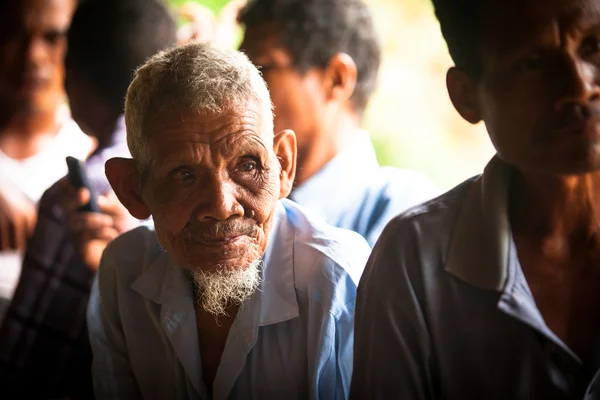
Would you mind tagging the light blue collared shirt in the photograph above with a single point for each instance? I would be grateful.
(444, 310)
(291, 340)
(353, 192)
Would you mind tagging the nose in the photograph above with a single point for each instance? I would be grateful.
(581, 83)
(36, 51)
(219, 201)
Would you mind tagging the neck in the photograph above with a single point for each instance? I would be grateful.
(25, 134)
(560, 213)
(325, 146)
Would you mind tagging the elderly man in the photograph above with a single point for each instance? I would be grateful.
(233, 293)
(493, 290)
(320, 59)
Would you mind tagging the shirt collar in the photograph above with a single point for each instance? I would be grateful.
(164, 282)
(339, 181)
(480, 243)
(278, 300)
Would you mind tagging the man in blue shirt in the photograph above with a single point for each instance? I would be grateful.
(492, 291)
(233, 293)
(320, 60)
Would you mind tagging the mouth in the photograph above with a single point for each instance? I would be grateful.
(32, 83)
(588, 128)
(220, 242)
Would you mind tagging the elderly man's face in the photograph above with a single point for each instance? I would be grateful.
(213, 186)
(539, 94)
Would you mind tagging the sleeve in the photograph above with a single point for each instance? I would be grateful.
(335, 356)
(392, 350)
(344, 341)
(111, 369)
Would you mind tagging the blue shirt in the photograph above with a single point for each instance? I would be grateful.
(291, 340)
(353, 192)
(444, 310)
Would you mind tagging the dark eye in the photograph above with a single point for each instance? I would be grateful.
(53, 37)
(248, 166)
(590, 47)
(186, 175)
(182, 175)
(532, 62)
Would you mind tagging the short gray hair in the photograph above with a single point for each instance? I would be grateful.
(195, 76)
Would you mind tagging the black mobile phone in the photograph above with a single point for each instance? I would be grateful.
(79, 179)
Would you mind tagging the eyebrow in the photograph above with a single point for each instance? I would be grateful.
(244, 144)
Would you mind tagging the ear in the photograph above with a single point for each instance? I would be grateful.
(284, 145)
(462, 89)
(340, 77)
(125, 181)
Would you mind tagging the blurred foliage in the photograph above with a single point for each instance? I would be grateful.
(214, 5)
(410, 118)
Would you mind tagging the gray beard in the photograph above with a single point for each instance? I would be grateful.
(216, 290)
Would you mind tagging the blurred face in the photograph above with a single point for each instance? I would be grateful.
(297, 97)
(32, 48)
(539, 95)
(213, 186)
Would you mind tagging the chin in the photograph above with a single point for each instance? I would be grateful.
(566, 159)
(199, 260)
(577, 161)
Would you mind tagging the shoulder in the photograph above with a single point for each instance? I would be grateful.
(49, 203)
(416, 241)
(328, 261)
(132, 252)
(438, 208)
(402, 187)
(387, 193)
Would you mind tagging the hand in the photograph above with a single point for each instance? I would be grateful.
(93, 231)
(18, 216)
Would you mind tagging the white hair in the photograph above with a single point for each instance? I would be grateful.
(218, 289)
(195, 76)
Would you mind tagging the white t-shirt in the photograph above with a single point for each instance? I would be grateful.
(34, 175)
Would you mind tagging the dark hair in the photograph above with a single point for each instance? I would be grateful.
(460, 25)
(313, 31)
(109, 39)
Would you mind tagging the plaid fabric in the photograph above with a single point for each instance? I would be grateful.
(44, 352)
(44, 347)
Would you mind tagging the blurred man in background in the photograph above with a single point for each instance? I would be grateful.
(36, 131)
(44, 349)
(320, 60)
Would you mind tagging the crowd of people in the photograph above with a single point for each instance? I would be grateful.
(244, 242)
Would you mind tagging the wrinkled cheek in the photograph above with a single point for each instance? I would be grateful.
(170, 218)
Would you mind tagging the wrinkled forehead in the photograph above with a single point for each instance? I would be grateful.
(508, 25)
(228, 129)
